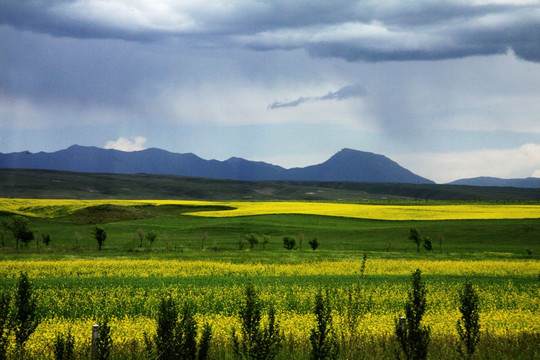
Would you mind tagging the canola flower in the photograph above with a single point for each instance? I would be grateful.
(50, 208)
(194, 268)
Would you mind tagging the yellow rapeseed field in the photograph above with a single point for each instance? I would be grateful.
(53, 208)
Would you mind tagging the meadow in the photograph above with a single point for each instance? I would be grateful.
(201, 256)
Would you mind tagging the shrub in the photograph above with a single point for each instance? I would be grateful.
(289, 243)
(314, 244)
(412, 335)
(468, 326)
(323, 343)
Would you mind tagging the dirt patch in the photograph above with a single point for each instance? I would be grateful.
(266, 191)
(103, 214)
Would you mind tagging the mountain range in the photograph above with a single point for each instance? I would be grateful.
(346, 165)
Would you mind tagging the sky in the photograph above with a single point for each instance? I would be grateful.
(448, 89)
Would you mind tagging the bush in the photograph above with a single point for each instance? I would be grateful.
(412, 335)
(468, 326)
(323, 343)
(314, 244)
(289, 243)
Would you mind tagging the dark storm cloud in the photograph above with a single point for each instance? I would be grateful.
(370, 31)
(346, 92)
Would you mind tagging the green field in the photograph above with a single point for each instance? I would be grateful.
(207, 261)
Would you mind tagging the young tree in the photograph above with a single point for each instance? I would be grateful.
(314, 244)
(414, 235)
(265, 241)
(25, 318)
(257, 342)
(18, 226)
(5, 300)
(165, 332)
(140, 235)
(104, 341)
(323, 344)
(46, 239)
(100, 235)
(412, 335)
(176, 337)
(289, 243)
(428, 244)
(252, 240)
(151, 236)
(468, 326)
(64, 347)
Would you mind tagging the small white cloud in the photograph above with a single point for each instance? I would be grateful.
(125, 144)
(536, 174)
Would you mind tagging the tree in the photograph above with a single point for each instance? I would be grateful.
(252, 240)
(104, 341)
(427, 244)
(100, 235)
(411, 334)
(414, 235)
(260, 343)
(468, 326)
(140, 234)
(323, 344)
(176, 338)
(25, 318)
(64, 347)
(5, 300)
(289, 243)
(265, 241)
(46, 239)
(18, 226)
(151, 236)
(314, 244)
(165, 332)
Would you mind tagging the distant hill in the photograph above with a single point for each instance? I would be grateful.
(17, 183)
(492, 181)
(346, 165)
